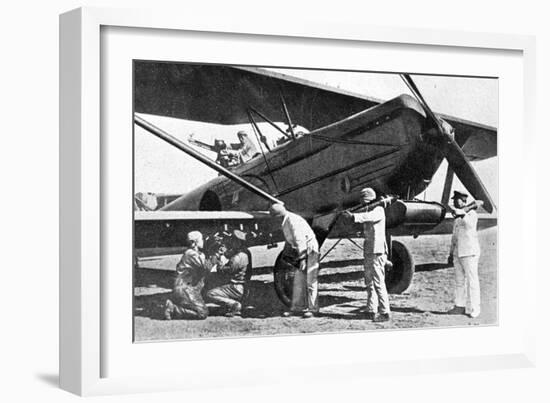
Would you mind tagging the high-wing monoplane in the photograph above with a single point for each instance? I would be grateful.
(352, 142)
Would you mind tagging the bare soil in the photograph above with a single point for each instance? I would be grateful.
(341, 295)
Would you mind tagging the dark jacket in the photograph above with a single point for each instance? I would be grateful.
(237, 267)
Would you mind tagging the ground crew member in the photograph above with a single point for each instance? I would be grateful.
(375, 255)
(187, 301)
(465, 256)
(230, 296)
(302, 244)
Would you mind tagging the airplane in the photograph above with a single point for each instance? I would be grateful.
(352, 141)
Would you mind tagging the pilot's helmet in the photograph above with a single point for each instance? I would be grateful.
(194, 237)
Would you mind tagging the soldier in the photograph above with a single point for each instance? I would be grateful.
(465, 256)
(238, 266)
(375, 255)
(191, 272)
(301, 243)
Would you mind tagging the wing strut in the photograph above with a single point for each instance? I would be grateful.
(259, 136)
(257, 112)
(287, 115)
(198, 156)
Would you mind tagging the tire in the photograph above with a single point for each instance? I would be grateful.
(399, 273)
(283, 277)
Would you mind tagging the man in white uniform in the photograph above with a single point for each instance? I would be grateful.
(465, 256)
(375, 252)
(302, 243)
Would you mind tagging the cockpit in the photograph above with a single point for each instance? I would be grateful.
(247, 148)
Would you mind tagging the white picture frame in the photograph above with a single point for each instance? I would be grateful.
(82, 300)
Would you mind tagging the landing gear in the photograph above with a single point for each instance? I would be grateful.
(283, 271)
(283, 277)
(399, 273)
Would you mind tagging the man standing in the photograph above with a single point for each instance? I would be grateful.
(465, 256)
(302, 244)
(191, 272)
(375, 255)
(238, 267)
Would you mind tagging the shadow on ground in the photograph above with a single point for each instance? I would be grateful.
(155, 288)
(431, 267)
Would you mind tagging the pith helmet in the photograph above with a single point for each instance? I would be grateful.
(368, 194)
(277, 210)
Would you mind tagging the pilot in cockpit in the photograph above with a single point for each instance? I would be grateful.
(248, 149)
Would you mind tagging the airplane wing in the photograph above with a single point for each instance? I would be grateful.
(165, 232)
(478, 141)
(223, 94)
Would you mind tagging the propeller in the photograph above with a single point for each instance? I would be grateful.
(453, 153)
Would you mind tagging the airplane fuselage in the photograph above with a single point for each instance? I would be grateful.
(384, 147)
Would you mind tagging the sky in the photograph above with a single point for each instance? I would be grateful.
(160, 168)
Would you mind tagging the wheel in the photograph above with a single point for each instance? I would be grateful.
(283, 277)
(399, 273)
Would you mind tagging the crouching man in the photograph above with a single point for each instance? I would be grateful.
(192, 269)
(230, 296)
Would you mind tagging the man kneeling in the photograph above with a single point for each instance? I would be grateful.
(230, 296)
(187, 301)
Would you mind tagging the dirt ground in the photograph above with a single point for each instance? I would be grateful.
(341, 295)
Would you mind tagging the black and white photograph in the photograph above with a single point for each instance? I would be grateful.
(261, 202)
(276, 201)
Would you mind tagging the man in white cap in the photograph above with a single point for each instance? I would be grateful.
(301, 243)
(465, 256)
(375, 252)
(191, 271)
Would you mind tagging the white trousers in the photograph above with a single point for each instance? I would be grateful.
(377, 294)
(467, 293)
(305, 285)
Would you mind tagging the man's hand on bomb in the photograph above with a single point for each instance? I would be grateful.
(346, 217)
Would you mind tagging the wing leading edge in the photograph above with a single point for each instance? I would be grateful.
(165, 232)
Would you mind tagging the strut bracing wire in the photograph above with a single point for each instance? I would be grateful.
(259, 136)
(270, 122)
(287, 115)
